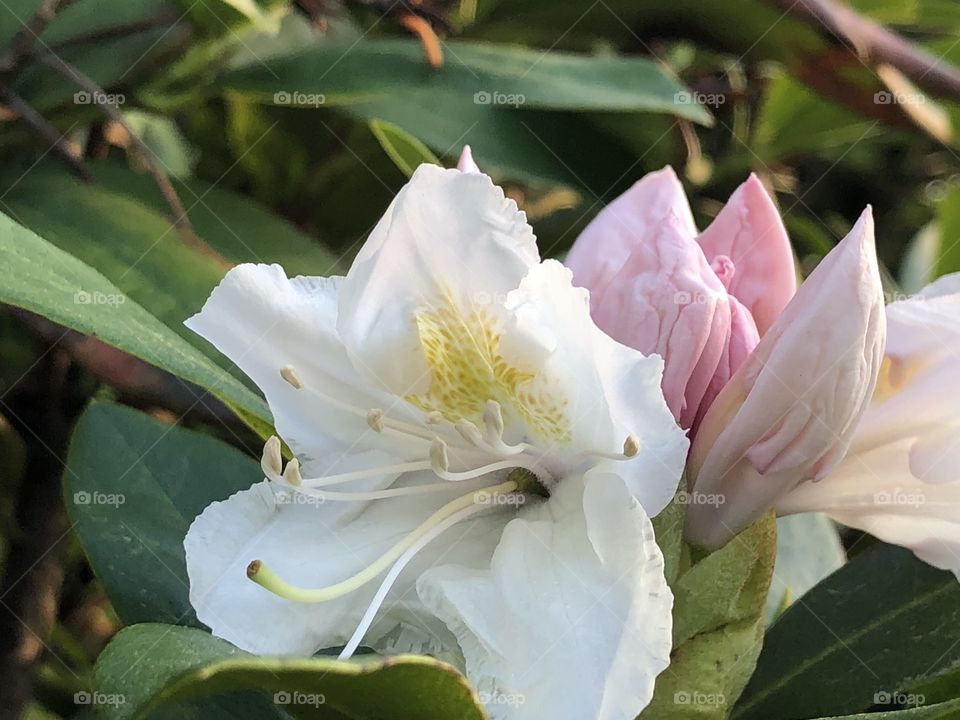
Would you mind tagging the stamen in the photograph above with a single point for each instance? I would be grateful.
(290, 375)
(272, 462)
(266, 578)
(470, 432)
(493, 419)
(292, 473)
(366, 473)
(375, 419)
(351, 647)
(439, 461)
(484, 469)
(631, 446)
(434, 417)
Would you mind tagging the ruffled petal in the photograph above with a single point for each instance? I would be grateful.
(447, 251)
(309, 545)
(595, 391)
(265, 322)
(572, 618)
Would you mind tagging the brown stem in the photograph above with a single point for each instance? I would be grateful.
(22, 42)
(877, 45)
(46, 132)
(33, 579)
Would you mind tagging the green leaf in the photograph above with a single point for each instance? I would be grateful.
(166, 143)
(808, 550)
(941, 711)
(406, 151)
(133, 485)
(108, 61)
(43, 279)
(834, 651)
(481, 74)
(236, 226)
(948, 256)
(150, 665)
(718, 621)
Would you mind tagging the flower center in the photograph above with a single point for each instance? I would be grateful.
(467, 368)
(484, 451)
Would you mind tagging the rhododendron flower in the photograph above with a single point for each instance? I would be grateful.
(701, 302)
(451, 384)
(901, 479)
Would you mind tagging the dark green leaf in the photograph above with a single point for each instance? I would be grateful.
(133, 485)
(481, 74)
(882, 623)
(45, 280)
(149, 665)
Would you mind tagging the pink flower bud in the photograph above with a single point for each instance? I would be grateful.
(789, 412)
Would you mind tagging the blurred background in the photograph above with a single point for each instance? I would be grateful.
(161, 141)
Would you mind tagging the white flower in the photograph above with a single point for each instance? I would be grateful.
(900, 480)
(450, 385)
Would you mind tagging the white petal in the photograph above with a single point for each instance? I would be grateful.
(598, 391)
(876, 491)
(265, 322)
(450, 242)
(572, 619)
(309, 545)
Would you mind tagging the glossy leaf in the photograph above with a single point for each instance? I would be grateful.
(45, 280)
(133, 485)
(881, 624)
(150, 665)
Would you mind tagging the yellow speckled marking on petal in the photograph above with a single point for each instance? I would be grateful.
(463, 352)
(894, 374)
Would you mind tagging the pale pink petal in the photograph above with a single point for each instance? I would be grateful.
(626, 223)
(789, 413)
(749, 232)
(743, 339)
(466, 163)
(665, 299)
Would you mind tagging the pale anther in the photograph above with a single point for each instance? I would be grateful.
(493, 418)
(438, 455)
(469, 432)
(434, 417)
(375, 419)
(292, 473)
(271, 462)
(290, 375)
(631, 446)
